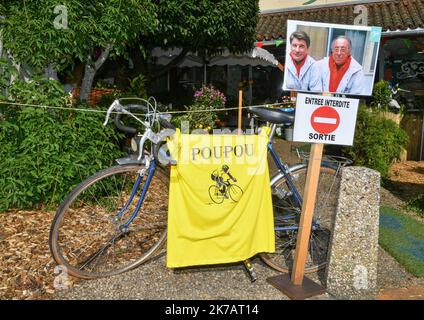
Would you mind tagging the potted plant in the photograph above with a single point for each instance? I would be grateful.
(202, 113)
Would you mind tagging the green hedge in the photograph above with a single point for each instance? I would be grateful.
(378, 141)
(45, 152)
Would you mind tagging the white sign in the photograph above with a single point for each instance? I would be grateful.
(325, 119)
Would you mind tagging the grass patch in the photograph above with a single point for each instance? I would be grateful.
(403, 237)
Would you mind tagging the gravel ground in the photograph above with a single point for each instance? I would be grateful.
(154, 281)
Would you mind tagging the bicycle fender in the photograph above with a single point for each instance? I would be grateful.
(294, 167)
(130, 160)
(298, 166)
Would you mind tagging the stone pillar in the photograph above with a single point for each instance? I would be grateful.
(352, 257)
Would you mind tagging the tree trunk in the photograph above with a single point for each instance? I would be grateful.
(51, 73)
(90, 72)
(1, 48)
(87, 82)
(12, 65)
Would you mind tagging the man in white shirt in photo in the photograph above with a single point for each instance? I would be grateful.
(298, 65)
(340, 72)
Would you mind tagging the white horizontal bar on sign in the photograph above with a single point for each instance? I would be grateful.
(325, 120)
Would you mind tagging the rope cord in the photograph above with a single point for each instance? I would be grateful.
(15, 104)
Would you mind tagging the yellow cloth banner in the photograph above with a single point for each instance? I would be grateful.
(220, 206)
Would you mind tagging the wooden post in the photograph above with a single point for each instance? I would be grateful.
(240, 111)
(297, 286)
(308, 206)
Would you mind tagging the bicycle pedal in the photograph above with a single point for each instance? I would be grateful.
(250, 270)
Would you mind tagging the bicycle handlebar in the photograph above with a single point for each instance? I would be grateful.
(126, 109)
(165, 123)
(127, 129)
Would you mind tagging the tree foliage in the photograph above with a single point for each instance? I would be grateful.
(378, 141)
(33, 38)
(98, 29)
(204, 26)
(207, 24)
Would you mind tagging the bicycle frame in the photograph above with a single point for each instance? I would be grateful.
(151, 171)
(284, 169)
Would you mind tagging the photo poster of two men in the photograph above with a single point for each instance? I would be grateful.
(331, 58)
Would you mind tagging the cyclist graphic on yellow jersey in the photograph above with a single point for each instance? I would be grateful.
(224, 188)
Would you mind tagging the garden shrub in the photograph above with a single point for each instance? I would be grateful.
(381, 95)
(46, 152)
(378, 141)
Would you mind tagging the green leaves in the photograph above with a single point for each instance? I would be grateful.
(207, 24)
(381, 95)
(46, 152)
(32, 37)
(378, 141)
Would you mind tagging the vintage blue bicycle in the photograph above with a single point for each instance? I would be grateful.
(116, 219)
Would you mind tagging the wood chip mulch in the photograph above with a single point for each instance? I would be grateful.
(408, 175)
(26, 265)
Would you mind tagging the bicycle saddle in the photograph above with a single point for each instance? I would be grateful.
(273, 115)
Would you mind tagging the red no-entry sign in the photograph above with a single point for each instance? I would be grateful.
(325, 120)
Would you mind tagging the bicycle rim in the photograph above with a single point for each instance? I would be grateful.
(86, 236)
(216, 195)
(287, 215)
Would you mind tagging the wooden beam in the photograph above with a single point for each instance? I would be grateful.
(240, 111)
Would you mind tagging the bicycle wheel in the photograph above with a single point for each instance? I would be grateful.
(215, 194)
(86, 236)
(287, 216)
(235, 192)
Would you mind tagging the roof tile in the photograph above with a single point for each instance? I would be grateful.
(390, 15)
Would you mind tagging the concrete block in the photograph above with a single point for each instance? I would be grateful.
(352, 257)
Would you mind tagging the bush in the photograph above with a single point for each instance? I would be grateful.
(378, 141)
(46, 152)
(381, 95)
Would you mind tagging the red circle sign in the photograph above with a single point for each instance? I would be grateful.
(325, 120)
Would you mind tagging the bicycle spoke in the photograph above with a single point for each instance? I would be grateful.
(100, 251)
(284, 205)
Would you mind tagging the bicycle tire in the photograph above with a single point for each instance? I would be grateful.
(87, 220)
(287, 214)
(215, 194)
(235, 192)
